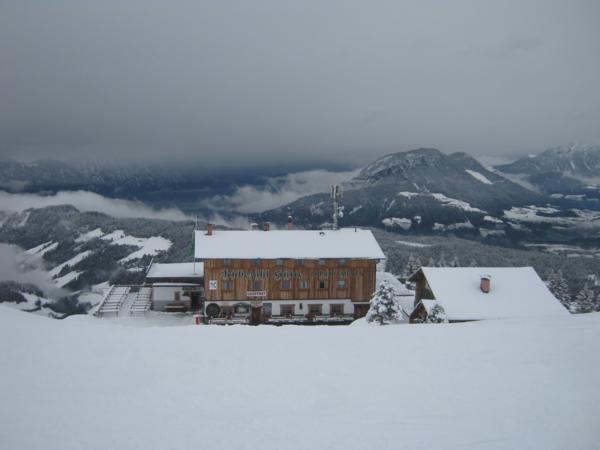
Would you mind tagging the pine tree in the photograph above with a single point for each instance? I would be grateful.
(455, 262)
(559, 287)
(437, 315)
(442, 261)
(431, 262)
(584, 300)
(473, 263)
(384, 308)
(411, 266)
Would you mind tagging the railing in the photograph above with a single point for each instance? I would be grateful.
(142, 302)
(113, 300)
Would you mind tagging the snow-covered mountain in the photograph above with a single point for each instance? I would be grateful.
(561, 171)
(422, 190)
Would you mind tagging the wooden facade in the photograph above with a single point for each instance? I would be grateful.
(289, 279)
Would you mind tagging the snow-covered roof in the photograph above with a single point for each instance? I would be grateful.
(176, 270)
(515, 292)
(296, 244)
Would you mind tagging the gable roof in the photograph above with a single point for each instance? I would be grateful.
(351, 243)
(176, 270)
(515, 292)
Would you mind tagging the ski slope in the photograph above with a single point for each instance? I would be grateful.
(83, 383)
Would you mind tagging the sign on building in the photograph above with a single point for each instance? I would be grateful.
(213, 285)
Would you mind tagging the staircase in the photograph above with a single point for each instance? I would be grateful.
(142, 301)
(113, 300)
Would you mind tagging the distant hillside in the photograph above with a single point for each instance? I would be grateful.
(561, 171)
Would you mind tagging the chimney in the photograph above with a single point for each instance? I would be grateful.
(290, 223)
(209, 229)
(486, 283)
(266, 226)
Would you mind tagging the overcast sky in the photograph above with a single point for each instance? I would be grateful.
(281, 82)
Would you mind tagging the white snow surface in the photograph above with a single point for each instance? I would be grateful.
(296, 244)
(176, 270)
(413, 244)
(67, 278)
(71, 262)
(479, 176)
(85, 383)
(448, 201)
(96, 233)
(515, 292)
(400, 222)
(41, 249)
(147, 246)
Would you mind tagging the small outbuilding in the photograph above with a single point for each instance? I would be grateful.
(176, 286)
(478, 293)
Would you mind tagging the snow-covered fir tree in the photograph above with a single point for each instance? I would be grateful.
(411, 266)
(559, 287)
(437, 315)
(455, 262)
(442, 261)
(431, 262)
(584, 300)
(384, 308)
(473, 263)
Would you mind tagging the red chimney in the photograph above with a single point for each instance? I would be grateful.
(209, 229)
(486, 283)
(266, 226)
(290, 223)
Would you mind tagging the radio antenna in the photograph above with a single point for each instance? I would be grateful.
(336, 196)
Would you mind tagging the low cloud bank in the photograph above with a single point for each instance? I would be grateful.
(278, 191)
(88, 201)
(16, 265)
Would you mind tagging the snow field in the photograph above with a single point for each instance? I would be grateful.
(86, 383)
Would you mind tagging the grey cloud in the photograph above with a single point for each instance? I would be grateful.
(88, 201)
(281, 82)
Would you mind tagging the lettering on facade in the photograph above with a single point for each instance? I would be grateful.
(247, 274)
(229, 274)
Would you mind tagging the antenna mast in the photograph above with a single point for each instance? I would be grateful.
(336, 196)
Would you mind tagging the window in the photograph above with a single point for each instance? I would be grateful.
(336, 310)
(315, 310)
(227, 285)
(299, 262)
(286, 284)
(304, 284)
(341, 284)
(279, 262)
(226, 262)
(322, 284)
(287, 310)
(177, 296)
(321, 262)
(256, 262)
(343, 262)
(256, 285)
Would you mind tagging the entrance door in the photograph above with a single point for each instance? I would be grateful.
(256, 315)
(195, 301)
(360, 311)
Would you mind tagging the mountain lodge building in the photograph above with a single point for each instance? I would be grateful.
(287, 276)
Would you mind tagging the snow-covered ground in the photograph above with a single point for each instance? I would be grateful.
(93, 384)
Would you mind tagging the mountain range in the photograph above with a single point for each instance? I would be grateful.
(562, 171)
